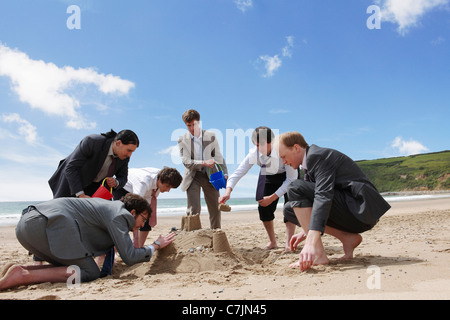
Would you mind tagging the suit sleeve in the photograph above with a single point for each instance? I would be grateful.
(122, 174)
(324, 175)
(119, 232)
(82, 152)
(218, 157)
(185, 151)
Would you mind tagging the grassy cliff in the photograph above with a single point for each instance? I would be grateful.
(422, 172)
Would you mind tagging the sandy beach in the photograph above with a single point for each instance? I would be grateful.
(406, 256)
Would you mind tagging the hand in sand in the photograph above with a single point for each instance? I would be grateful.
(312, 253)
(166, 240)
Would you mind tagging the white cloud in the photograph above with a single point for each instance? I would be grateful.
(407, 148)
(174, 153)
(273, 63)
(244, 5)
(51, 89)
(287, 50)
(26, 129)
(407, 13)
(278, 111)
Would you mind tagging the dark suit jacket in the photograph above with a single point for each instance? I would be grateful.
(78, 228)
(80, 168)
(332, 170)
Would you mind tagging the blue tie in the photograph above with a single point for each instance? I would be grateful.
(261, 183)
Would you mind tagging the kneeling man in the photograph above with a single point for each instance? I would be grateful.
(71, 231)
(335, 197)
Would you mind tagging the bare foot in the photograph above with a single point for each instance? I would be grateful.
(11, 277)
(270, 246)
(320, 260)
(349, 245)
(6, 268)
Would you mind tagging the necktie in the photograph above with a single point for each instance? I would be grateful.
(307, 177)
(112, 167)
(261, 183)
(152, 219)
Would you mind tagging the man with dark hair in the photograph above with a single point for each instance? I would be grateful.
(97, 156)
(272, 183)
(200, 152)
(148, 183)
(69, 232)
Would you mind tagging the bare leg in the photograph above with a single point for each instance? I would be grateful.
(304, 215)
(349, 240)
(268, 225)
(142, 238)
(18, 275)
(290, 230)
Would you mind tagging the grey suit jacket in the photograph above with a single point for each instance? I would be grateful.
(332, 170)
(211, 150)
(80, 168)
(79, 228)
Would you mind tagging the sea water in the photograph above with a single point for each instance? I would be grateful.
(10, 212)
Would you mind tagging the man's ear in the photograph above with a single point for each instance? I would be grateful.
(133, 212)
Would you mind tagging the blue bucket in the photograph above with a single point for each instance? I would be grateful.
(217, 179)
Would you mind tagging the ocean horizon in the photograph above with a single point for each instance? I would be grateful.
(10, 211)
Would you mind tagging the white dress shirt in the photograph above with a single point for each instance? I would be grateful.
(274, 165)
(198, 146)
(142, 181)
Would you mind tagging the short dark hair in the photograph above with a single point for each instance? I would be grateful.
(126, 136)
(262, 134)
(191, 115)
(136, 202)
(170, 176)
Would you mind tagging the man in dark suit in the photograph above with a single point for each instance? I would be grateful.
(97, 156)
(335, 197)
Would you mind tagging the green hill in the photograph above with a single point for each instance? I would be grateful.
(422, 172)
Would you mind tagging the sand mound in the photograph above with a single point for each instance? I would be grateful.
(193, 251)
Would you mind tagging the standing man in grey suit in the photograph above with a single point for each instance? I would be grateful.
(335, 197)
(97, 156)
(69, 232)
(200, 152)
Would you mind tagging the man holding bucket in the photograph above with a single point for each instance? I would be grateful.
(97, 156)
(200, 152)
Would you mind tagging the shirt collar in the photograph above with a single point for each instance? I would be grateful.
(194, 137)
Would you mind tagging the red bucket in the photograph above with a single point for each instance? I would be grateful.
(102, 192)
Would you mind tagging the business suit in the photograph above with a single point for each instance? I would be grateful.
(339, 192)
(196, 176)
(71, 231)
(76, 172)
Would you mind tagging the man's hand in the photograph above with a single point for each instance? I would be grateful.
(296, 239)
(312, 253)
(166, 240)
(111, 182)
(264, 202)
(209, 163)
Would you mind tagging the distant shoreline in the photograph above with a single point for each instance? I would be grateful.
(413, 193)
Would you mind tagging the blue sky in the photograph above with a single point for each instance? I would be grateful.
(309, 66)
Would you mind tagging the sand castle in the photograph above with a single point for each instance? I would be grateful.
(219, 238)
